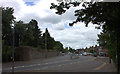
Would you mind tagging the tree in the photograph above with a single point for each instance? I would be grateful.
(29, 34)
(71, 50)
(20, 30)
(58, 46)
(7, 20)
(97, 12)
(6, 52)
(92, 50)
(107, 40)
(49, 43)
(48, 40)
(34, 32)
(65, 49)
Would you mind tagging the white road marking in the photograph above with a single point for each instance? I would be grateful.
(31, 65)
(100, 66)
(46, 63)
(44, 68)
(59, 65)
(39, 64)
(22, 66)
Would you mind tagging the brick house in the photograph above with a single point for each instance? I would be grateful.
(81, 50)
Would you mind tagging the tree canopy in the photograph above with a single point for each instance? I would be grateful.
(48, 42)
(7, 20)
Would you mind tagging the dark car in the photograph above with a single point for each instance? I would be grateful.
(101, 53)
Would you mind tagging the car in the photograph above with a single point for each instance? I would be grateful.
(69, 53)
(89, 54)
(85, 53)
(101, 53)
(80, 54)
(63, 54)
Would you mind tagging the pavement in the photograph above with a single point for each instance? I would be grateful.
(0, 68)
(106, 65)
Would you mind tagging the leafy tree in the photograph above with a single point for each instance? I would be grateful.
(58, 46)
(65, 49)
(107, 40)
(7, 20)
(49, 43)
(29, 34)
(97, 12)
(34, 32)
(47, 40)
(20, 29)
(71, 50)
(6, 52)
(92, 50)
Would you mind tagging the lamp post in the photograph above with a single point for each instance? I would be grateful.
(13, 49)
(100, 51)
(46, 43)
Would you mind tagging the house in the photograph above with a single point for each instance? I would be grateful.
(81, 51)
(102, 51)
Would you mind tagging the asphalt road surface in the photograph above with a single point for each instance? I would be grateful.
(63, 64)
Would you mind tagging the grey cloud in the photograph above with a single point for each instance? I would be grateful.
(27, 17)
(53, 19)
(59, 28)
(10, 3)
(69, 15)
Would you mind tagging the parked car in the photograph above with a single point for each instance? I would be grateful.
(85, 53)
(101, 53)
(90, 54)
(80, 54)
(69, 53)
(63, 54)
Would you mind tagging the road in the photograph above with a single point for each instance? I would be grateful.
(63, 64)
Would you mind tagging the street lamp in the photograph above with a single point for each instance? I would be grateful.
(13, 31)
(100, 51)
(46, 43)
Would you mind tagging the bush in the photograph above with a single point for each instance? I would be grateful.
(39, 48)
(77, 52)
(6, 52)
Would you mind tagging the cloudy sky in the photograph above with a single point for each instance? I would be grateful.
(76, 37)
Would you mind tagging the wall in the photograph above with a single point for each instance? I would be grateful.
(24, 53)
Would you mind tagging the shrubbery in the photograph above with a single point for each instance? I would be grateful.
(6, 52)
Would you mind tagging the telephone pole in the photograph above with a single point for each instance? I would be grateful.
(93, 46)
(13, 50)
(46, 44)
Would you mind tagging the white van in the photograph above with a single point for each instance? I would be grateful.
(85, 53)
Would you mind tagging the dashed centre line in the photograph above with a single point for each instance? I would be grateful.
(37, 64)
